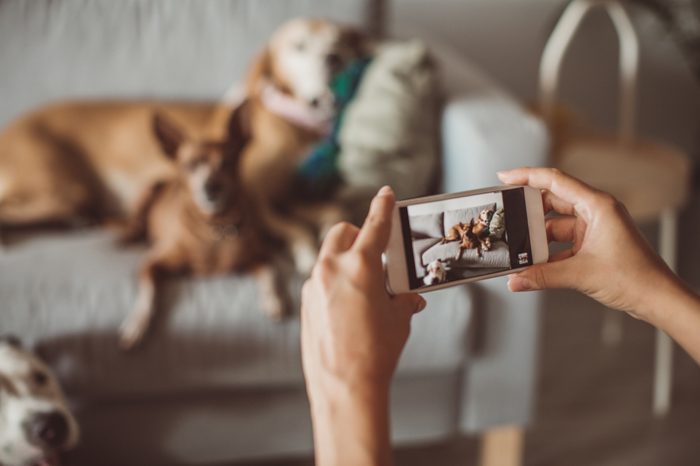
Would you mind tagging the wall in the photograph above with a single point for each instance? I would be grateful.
(506, 38)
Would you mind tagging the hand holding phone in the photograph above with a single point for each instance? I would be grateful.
(451, 239)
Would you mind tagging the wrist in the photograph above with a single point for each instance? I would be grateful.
(351, 423)
(664, 299)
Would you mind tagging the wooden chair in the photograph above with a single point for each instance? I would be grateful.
(652, 179)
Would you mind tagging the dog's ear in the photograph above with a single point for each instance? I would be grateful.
(11, 340)
(260, 72)
(239, 124)
(168, 133)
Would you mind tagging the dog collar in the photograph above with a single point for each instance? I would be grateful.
(296, 112)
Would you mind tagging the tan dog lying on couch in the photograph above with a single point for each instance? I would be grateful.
(74, 160)
(292, 109)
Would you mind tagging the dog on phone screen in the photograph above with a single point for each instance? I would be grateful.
(35, 422)
(292, 109)
(437, 273)
(472, 235)
(481, 230)
(203, 221)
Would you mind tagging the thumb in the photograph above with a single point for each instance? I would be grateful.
(410, 303)
(543, 276)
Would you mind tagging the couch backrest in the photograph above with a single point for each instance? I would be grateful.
(186, 49)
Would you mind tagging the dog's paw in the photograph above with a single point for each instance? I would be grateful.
(305, 259)
(131, 333)
(274, 307)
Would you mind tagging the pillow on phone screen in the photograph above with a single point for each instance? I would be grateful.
(453, 217)
(426, 226)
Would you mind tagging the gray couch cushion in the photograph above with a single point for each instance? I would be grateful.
(427, 226)
(419, 248)
(498, 256)
(453, 217)
(68, 293)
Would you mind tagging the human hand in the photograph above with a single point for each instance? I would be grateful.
(352, 335)
(352, 330)
(608, 259)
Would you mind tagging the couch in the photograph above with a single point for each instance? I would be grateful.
(428, 230)
(218, 382)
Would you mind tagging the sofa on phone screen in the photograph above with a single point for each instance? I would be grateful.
(428, 230)
(217, 381)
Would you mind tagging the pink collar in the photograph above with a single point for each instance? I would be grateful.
(296, 112)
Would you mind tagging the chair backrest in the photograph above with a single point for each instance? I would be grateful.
(185, 49)
(559, 41)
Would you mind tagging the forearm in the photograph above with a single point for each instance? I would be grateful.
(677, 312)
(351, 426)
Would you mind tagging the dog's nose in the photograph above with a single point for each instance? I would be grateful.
(48, 429)
(213, 189)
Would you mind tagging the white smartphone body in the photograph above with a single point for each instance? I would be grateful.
(451, 239)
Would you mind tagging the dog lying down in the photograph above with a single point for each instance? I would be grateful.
(35, 423)
(203, 221)
(474, 235)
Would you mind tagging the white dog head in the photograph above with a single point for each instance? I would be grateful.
(35, 423)
(304, 55)
(437, 272)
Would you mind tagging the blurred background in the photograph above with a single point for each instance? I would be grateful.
(488, 378)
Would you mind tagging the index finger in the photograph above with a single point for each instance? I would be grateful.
(567, 188)
(374, 234)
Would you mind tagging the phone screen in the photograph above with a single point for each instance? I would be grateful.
(465, 237)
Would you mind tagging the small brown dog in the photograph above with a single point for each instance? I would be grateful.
(474, 235)
(202, 222)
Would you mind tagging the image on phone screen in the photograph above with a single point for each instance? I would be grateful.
(465, 237)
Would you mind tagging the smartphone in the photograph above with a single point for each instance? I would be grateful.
(451, 239)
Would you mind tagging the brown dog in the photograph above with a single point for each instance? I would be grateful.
(201, 221)
(88, 159)
(474, 235)
(95, 159)
(292, 107)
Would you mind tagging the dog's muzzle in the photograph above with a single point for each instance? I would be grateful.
(47, 430)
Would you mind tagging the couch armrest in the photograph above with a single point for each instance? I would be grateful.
(485, 130)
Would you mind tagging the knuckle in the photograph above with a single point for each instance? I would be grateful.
(360, 264)
(325, 266)
(540, 278)
(555, 172)
(608, 202)
(341, 227)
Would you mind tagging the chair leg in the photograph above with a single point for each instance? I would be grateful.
(502, 446)
(663, 363)
(612, 328)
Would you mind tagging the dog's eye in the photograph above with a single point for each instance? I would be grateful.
(39, 378)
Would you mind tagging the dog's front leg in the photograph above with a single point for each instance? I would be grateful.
(274, 301)
(299, 238)
(136, 324)
(322, 215)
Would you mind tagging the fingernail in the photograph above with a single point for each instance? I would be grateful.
(385, 191)
(421, 304)
(502, 173)
(519, 284)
